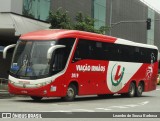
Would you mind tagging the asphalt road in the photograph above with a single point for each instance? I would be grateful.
(149, 102)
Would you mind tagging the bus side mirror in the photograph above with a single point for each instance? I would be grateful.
(52, 49)
(6, 49)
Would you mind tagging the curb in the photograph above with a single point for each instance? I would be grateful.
(5, 94)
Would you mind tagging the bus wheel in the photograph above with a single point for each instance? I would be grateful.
(139, 89)
(132, 90)
(36, 98)
(71, 93)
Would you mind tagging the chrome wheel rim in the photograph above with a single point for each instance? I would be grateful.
(70, 92)
(140, 88)
(131, 90)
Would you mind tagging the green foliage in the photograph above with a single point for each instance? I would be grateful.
(103, 29)
(61, 20)
(84, 23)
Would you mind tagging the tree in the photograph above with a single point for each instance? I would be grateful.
(61, 20)
(86, 23)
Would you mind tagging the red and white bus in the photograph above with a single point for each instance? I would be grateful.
(66, 63)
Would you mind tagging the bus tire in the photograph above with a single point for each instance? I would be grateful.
(139, 89)
(71, 93)
(132, 90)
(36, 98)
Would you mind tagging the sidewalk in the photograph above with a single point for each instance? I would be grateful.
(4, 89)
(5, 94)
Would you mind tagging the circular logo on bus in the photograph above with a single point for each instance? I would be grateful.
(120, 73)
(117, 77)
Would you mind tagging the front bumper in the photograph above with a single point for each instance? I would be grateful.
(44, 91)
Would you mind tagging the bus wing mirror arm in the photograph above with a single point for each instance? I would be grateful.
(6, 49)
(52, 49)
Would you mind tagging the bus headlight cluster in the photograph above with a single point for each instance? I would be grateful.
(11, 82)
(43, 84)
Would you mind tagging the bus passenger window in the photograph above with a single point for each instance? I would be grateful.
(82, 51)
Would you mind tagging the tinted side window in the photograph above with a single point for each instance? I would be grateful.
(82, 50)
(61, 55)
(87, 49)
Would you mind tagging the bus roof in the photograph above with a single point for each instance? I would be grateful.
(131, 43)
(53, 34)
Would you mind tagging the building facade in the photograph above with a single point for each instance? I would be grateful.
(157, 30)
(127, 19)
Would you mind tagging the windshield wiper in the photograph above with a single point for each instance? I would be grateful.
(24, 64)
(19, 69)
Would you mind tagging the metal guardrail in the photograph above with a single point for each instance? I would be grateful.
(3, 84)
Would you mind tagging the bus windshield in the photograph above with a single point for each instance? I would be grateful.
(30, 58)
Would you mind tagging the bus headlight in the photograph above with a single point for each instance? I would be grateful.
(11, 82)
(39, 85)
(43, 84)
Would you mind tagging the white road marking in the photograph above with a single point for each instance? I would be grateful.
(104, 109)
(67, 111)
(158, 89)
(118, 107)
(72, 110)
(107, 109)
(144, 103)
(132, 105)
(83, 110)
(100, 108)
(124, 106)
